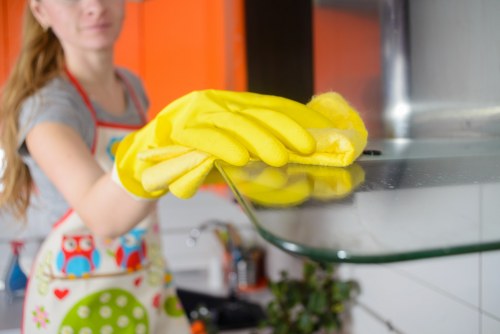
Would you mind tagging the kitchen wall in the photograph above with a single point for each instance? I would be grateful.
(454, 50)
(456, 295)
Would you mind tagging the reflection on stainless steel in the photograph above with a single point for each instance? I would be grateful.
(439, 66)
(419, 199)
(394, 29)
(472, 122)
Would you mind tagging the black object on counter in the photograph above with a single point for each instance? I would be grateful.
(227, 313)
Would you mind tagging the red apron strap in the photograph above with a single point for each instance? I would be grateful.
(138, 105)
(87, 102)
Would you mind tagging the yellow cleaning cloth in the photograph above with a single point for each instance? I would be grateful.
(342, 143)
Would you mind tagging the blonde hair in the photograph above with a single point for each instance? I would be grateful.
(40, 60)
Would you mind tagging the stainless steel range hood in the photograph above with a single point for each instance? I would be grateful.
(441, 68)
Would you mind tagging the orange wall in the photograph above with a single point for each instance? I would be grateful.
(3, 42)
(128, 49)
(175, 46)
(180, 46)
(10, 25)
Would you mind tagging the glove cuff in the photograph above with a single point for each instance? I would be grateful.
(116, 178)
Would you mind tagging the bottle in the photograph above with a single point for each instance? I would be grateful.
(15, 278)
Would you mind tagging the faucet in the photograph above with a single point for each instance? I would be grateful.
(232, 247)
(196, 232)
(232, 312)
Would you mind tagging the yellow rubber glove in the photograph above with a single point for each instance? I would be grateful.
(293, 184)
(178, 169)
(340, 143)
(235, 126)
(212, 124)
(128, 168)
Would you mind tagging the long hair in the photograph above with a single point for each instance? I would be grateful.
(40, 60)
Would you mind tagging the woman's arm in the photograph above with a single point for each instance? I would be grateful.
(105, 207)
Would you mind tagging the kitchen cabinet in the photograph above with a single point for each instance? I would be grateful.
(10, 24)
(175, 47)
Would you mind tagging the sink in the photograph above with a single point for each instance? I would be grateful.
(229, 312)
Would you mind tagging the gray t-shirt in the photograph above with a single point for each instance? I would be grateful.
(59, 101)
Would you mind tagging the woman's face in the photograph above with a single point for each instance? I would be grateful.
(81, 24)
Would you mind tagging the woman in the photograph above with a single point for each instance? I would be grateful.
(64, 109)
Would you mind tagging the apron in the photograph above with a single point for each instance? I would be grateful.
(84, 284)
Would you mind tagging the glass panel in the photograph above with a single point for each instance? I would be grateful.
(417, 199)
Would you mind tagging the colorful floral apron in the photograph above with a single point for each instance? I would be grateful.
(82, 284)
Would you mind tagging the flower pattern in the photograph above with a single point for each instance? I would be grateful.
(40, 317)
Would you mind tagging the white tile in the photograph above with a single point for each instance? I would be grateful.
(411, 307)
(175, 213)
(206, 256)
(491, 283)
(364, 321)
(457, 277)
(419, 218)
(178, 217)
(4, 260)
(490, 260)
(490, 325)
(490, 212)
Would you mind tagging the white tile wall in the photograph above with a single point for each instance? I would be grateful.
(455, 294)
(490, 268)
(490, 325)
(490, 279)
(457, 277)
(364, 321)
(413, 307)
(177, 217)
(181, 214)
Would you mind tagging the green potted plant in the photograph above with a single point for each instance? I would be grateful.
(317, 303)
